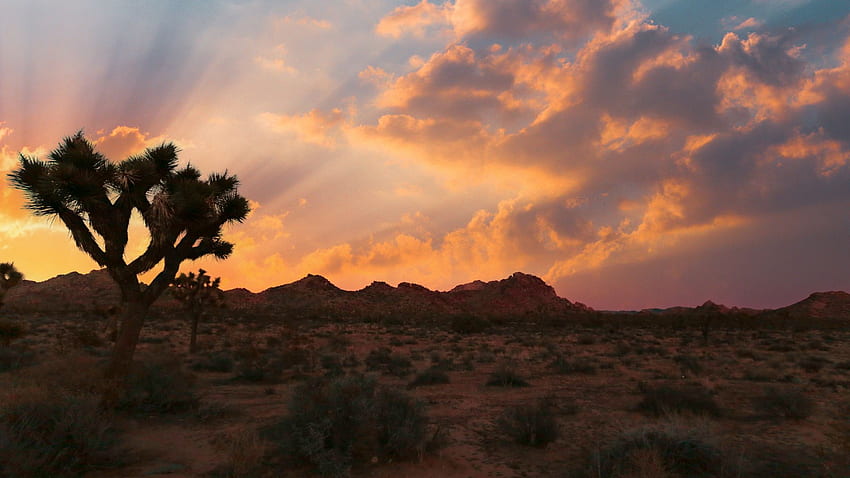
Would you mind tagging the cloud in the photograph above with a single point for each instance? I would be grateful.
(665, 140)
(303, 21)
(124, 141)
(416, 20)
(736, 24)
(315, 127)
(276, 61)
(508, 19)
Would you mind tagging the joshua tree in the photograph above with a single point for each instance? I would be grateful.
(95, 199)
(9, 277)
(196, 292)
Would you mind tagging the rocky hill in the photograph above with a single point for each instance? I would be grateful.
(519, 296)
(72, 292)
(820, 305)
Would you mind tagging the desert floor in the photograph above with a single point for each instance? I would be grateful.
(781, 396)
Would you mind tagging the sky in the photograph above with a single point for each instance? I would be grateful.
(632, 154)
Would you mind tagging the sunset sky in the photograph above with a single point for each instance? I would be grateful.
(632, 154)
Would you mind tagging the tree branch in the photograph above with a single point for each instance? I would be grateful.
(83, 237)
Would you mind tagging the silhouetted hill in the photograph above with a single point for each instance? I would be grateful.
(65, 293)
(519, 296)
(820, 305)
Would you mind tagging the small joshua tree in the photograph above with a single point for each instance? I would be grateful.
(197, 292)
(9, 277)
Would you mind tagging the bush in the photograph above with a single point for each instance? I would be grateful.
(657, 451)
(531, 425)
(430, 376)
(14, 357)
(244, 450)
(689, 363)
(10, 331)
(787, 403)
(85, 337)
(385, 360)
(667, 399)
(214, 362)
(51, 423)
(338, 423)
(566, 366)
(158, 384)
(332, 364)
(45, 433)
(469, 324)
(506, 376)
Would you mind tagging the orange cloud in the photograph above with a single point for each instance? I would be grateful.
(565, 19)
(416, 20)
(124, 141)
(302, 20)
(316, 127)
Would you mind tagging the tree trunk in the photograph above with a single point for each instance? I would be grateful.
(132, 319)
(193, 337)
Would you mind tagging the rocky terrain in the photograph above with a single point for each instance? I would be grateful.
(517, 297)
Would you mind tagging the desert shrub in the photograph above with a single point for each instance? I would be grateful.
(14, 357)
(158, 383)
(566, 366)
(430, 376)
(784, 403)
(339, 343)
(748, 353)
(243, 450)
(816, 344)
(438, 360)
(688, 363)
(837, 450)
(332, 363)
(650, 349)
(812, 364)
(214, 362)
(762, 374)
(506, 375)
(256, 365)
(383, 359)
(337, 423)
(469, 324)
(667, 399)
(10, 331)
(85, 337)
(586, 339)
(51, 423)
(657, 452)
(531, 424)
(622, 349)
(53, 433)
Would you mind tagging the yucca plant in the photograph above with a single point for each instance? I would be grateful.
(197, 293)
(95, 198)
(9, 277)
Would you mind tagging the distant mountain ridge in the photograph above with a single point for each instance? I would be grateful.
(518, 296)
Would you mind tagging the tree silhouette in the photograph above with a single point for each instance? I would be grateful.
(9, 277)
(196, 293)
(95, 198)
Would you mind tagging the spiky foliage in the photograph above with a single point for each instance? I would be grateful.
(9, 277)
(196, 293)
(95, 198)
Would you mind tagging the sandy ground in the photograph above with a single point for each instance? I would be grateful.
(591, 408)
